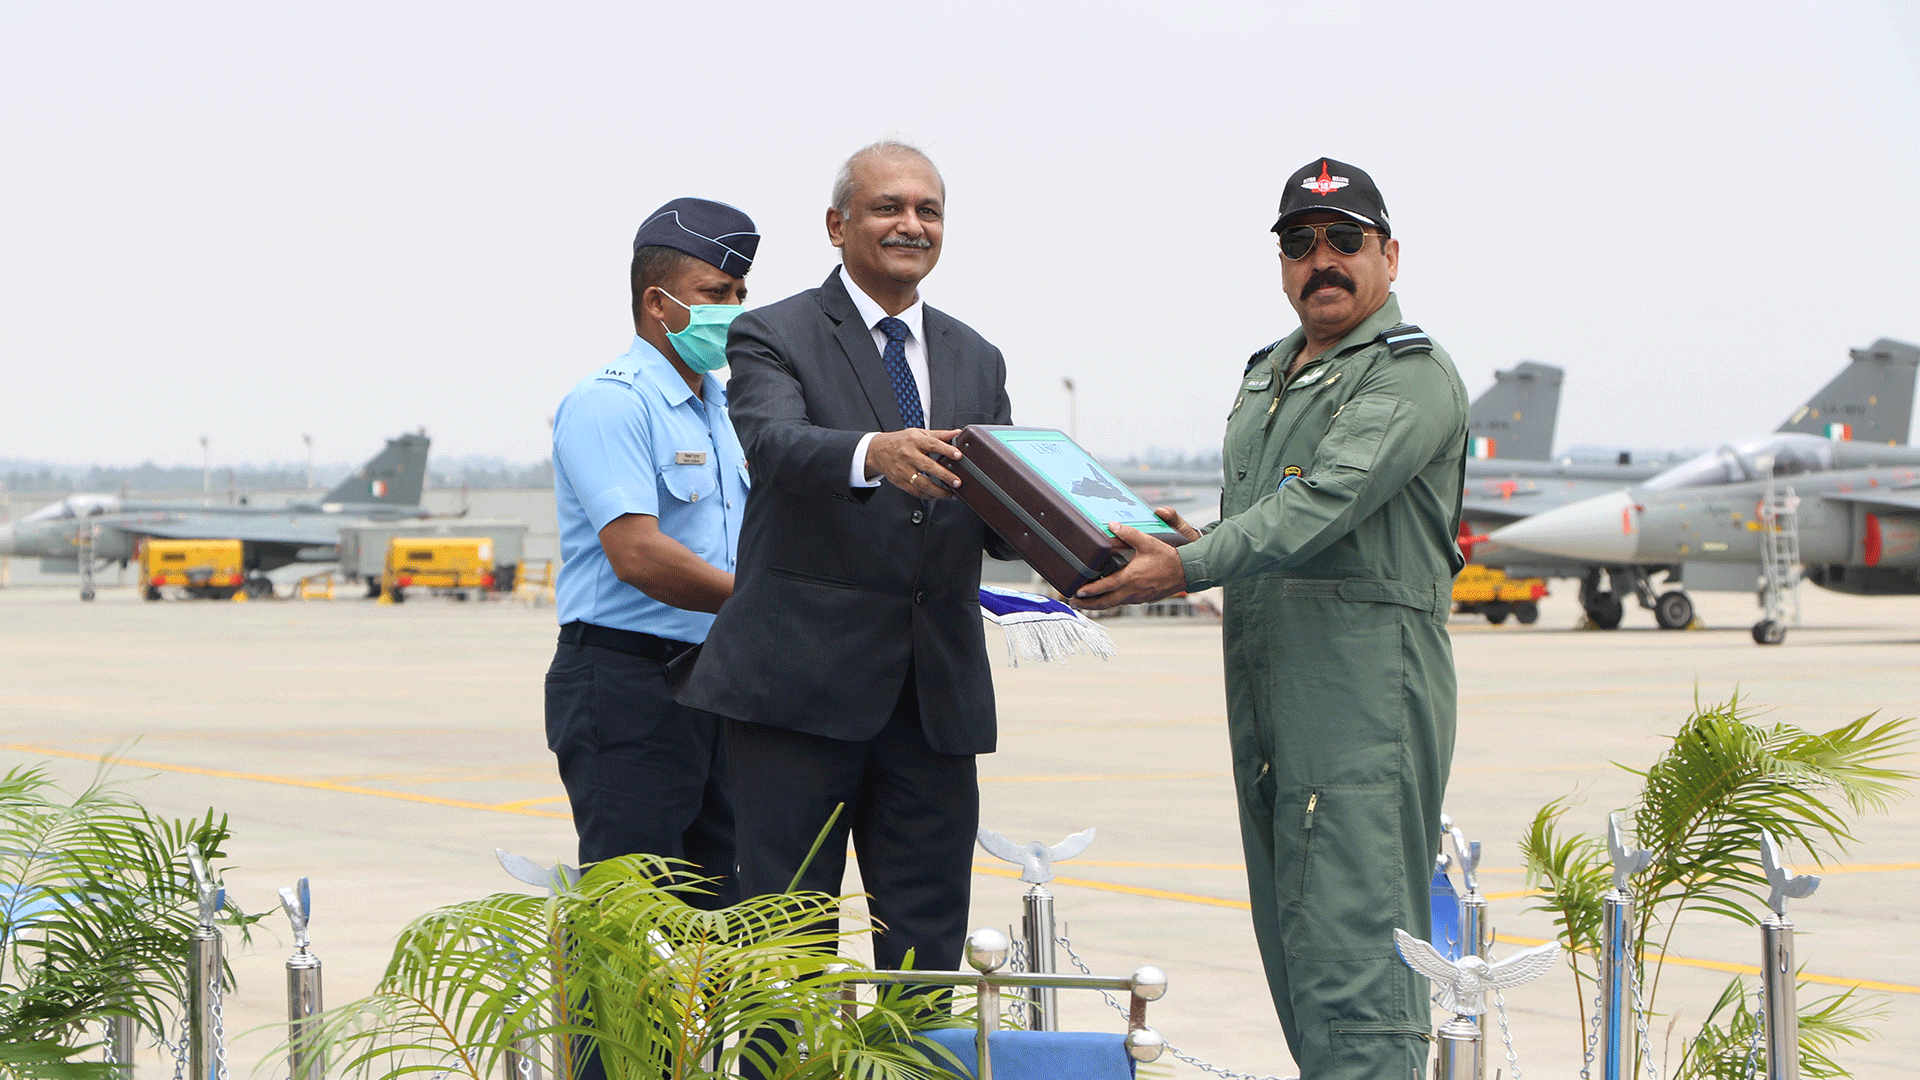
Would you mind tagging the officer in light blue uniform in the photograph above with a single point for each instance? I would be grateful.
(651, 484)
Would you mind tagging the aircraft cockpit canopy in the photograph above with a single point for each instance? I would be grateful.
(75, 506)
(1782, 454)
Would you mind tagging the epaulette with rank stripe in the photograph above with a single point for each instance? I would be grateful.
(1405, 338)
(1255, 358)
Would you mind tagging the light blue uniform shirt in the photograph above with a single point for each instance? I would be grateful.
(632, 439)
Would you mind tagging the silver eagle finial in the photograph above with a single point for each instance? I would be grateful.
(544, 877)
(1626, 862)
(297, 902)
(1464, 983)
(1784, 882)
(206, 889)
(1036, 859)
(1468, 855)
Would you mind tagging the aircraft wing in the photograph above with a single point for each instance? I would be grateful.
(1901, 500)
(1500, 511)
(253, 530)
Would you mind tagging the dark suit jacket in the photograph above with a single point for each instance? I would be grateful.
(839, 591)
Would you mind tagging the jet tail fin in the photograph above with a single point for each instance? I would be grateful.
(396, 476)
(1516, 415)
(1871, 400)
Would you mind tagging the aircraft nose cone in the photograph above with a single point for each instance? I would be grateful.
(1603, 529)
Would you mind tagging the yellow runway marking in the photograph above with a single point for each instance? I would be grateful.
(521, 804)
(1075, 778)
(1742, 969)
(288, 781)
(1130, 890)
(525, 807)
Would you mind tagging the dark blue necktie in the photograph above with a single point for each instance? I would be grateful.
(904, 388)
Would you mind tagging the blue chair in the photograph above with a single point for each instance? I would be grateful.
(1041, 1055)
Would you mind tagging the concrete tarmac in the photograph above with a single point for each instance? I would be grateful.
(386, 751)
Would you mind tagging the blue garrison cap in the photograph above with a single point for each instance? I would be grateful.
(712, 232)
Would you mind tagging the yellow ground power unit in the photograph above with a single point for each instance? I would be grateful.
(460, 566)
(1482, 590)
(204, 569)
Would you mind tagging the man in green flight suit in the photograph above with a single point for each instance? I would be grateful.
(1345, 458)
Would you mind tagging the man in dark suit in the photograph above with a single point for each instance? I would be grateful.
(850, 664)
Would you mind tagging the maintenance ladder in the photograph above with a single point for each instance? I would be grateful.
(1779, 560)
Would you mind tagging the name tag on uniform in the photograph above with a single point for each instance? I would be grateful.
(690, 457)
(1258, 382)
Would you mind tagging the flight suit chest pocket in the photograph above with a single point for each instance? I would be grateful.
(690, 483)
(1356, 431)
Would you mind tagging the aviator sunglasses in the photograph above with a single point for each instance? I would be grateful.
(1345, 237)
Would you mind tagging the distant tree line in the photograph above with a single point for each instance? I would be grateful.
(25, 477)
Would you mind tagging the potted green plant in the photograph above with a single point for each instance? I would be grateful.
(621, 962)
(96, 904)
(1701, 810)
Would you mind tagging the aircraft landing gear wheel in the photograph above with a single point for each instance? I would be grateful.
(86, 594)
(373, 588)
(152, 593)
(1673, 610)
(1605, 612)
(1496, 611)
(1526, 612)
(259, 589)
(1768, 632)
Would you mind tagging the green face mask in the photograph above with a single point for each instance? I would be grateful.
(703, 344)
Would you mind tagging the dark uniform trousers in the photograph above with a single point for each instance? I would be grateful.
(912, 814)
(644, 774)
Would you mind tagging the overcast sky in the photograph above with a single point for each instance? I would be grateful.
(254, 221)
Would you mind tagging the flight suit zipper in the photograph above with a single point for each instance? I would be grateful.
(1306, 842)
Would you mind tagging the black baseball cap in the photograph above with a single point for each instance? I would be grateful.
(1326, 184)
(712, 232)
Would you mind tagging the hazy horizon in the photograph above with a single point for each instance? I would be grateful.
(249, 223)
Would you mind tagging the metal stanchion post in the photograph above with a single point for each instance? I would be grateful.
(1038, 924)
(1036, 869)
(1617, 959)
(120, 1049)
(1782, 1018)
(1476, 936)
(204, 972)
(986, 950)
(303, 988)
(1464, 985)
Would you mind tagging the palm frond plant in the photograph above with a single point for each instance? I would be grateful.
(622, 963)
(96, 904)
(1703, 806)
(1735, 1049)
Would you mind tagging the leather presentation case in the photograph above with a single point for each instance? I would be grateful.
(1051, 501)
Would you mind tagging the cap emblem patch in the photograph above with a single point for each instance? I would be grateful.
(1323, 184)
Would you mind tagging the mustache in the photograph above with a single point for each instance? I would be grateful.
(1326, 275)
(896, 240)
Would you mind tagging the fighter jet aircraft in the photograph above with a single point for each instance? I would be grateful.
(83, 531)
(1848, 509)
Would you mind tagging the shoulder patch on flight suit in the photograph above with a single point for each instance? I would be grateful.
(1406, 338)
(612, 373)
(1258, 356)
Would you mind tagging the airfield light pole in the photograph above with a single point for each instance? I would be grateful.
(1073, 410)
(308, 439)
(206, 470)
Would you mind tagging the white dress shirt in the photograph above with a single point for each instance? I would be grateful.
(916, 350)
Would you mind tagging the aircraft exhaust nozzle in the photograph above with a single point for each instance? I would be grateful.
(1604, 529)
